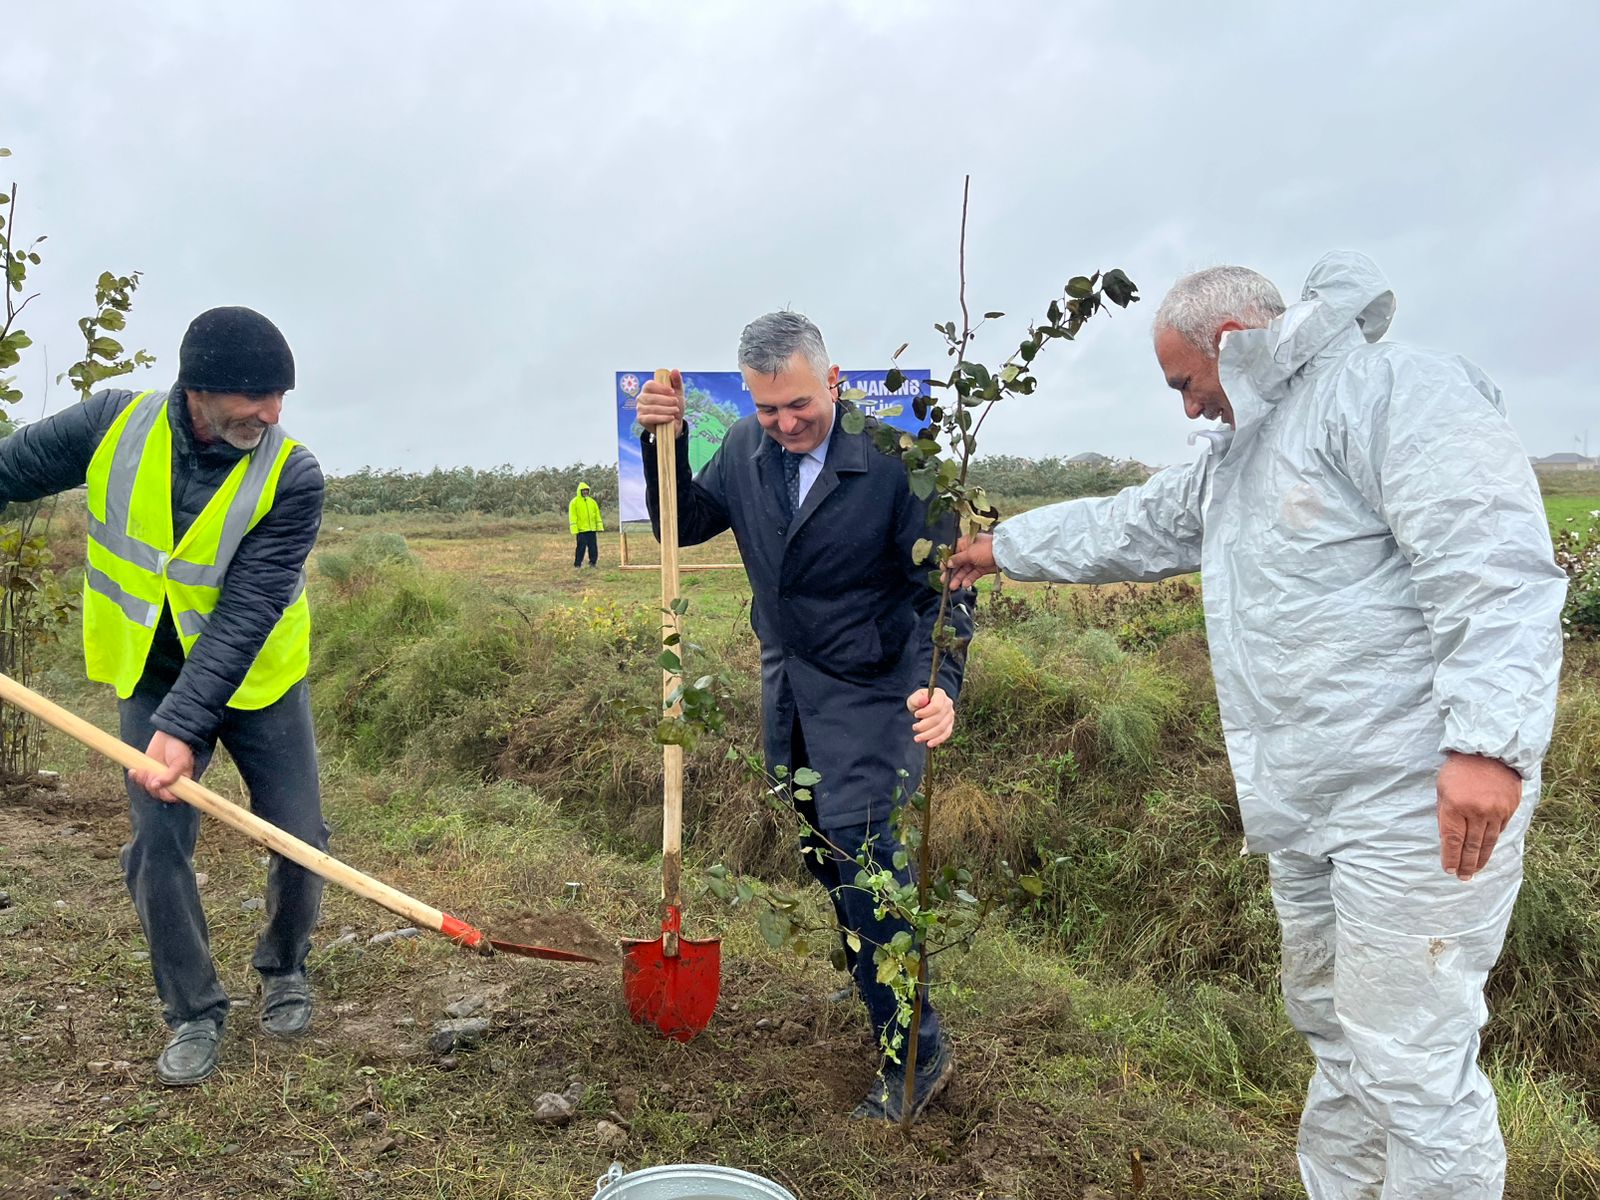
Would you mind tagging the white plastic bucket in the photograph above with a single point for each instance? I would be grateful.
(687, 1181)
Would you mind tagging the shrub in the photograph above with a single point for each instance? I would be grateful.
(1578, 552)
(367, 555)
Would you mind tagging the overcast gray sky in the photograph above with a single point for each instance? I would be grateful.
(465, 217)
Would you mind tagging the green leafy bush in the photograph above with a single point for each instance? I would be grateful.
(1578, 552)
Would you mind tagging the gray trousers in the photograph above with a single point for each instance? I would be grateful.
(276, 753)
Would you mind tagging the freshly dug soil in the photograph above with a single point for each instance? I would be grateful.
(558, 931)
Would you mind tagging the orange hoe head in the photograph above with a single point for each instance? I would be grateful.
(541, 952)
(671, 982)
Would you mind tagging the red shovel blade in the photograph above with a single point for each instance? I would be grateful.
(677, 993)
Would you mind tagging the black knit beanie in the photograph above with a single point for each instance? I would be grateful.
(234, 350)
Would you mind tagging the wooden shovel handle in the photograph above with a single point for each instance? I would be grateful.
(246, 822)
(671, 639)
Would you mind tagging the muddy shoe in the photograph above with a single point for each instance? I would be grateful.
(191, 1056)
(285, 1004)
(883, 1102)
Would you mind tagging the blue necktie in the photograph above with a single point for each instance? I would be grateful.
(791, 479)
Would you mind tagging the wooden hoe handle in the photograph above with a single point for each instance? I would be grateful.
(245, 821)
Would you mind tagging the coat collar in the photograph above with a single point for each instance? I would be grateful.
(847, 455)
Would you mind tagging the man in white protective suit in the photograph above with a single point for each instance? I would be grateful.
(1383, 611)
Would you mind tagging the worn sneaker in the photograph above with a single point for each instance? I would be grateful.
(285, 1004)
(883, 1102)
(191, 1056)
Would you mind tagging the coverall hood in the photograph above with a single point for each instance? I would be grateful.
(1346, 299)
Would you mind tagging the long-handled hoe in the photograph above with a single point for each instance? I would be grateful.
(270, 836)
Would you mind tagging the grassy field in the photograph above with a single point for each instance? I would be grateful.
(471, 691)
(1571, 508)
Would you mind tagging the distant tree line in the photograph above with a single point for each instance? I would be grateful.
(504, 491)
(1053, 478)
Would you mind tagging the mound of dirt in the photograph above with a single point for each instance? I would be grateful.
(558, 931)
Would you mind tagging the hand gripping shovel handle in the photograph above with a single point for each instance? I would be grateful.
(246, 822)
(671, 630)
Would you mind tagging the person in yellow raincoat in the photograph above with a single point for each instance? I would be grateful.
(583, 518)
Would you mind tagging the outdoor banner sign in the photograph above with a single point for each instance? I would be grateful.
(714, 400)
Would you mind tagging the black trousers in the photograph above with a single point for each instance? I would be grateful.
(276, 752)
(853, 907)
(587, 541)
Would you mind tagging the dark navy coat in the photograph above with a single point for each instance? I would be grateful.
(843, 614)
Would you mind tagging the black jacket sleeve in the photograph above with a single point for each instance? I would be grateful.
(702, 502)
(261, 581)
(53, 455)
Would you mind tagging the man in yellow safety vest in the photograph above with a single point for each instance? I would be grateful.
(201, 514)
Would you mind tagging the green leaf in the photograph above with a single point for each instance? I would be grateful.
(1032, 884)
(774, 926)
(854, 422)
(920, 550)
(806, 777)
(894, 380)
(1078, 287)
(853, 940)
(1119, 289)
(989, 316)
(853, 395)
(670, 661)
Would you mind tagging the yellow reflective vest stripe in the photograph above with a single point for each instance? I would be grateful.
(136, 568)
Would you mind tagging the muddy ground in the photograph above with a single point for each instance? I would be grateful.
(365, 1107)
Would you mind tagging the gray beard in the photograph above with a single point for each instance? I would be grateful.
(241, 440)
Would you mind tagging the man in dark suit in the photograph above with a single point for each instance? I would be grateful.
(826, 525)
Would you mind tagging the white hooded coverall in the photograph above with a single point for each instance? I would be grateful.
(1379, 589)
